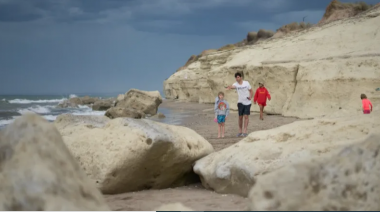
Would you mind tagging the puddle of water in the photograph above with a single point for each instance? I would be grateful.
(172, 116)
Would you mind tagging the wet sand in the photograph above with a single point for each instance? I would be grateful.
(198, 117)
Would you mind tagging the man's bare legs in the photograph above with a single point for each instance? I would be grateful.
(261, 112)
(240, 124)
(246, 121)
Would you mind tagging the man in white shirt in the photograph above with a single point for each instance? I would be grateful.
(245, 94)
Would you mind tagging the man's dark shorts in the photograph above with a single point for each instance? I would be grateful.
(244, 109)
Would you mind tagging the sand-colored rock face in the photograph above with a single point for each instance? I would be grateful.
(123, 155)
(348, 181)
(115, 112)
(39, 173)
(234, 169)
(120, 97)
(312, 73)
(145, 101)
(103, 104)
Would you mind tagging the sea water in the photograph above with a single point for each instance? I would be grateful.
(13, 106)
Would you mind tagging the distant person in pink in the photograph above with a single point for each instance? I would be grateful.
(367, 105)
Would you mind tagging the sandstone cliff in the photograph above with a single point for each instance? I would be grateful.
(316, 72)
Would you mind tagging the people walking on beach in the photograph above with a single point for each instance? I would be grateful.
(367, 105)
(261, 96)
(222, 110)
(245, 95)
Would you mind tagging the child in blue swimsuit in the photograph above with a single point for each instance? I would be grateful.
(221, 109)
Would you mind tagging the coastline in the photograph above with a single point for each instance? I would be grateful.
(198, 117)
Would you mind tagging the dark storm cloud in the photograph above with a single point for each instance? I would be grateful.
(16, 12)
(104, 45)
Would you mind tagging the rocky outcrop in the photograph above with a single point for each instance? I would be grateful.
(115, 112)
(76, 101)
(123, 155)
(103, 104)
(235, 169)
(87, 100)
(120, 97)
(39, 173)
(348, 181)
(312, 73)
(72, 102)
(145, 101)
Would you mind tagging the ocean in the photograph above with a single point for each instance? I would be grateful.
(13, 106)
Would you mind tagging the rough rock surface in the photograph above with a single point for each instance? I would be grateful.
(145, 101)
(103, 104)
(87, 100)
(160, 115)
(120, 97)
(348, 181)
(76, 101)
(311, 73)
(234, 169)
(72, 102)
(39, 173)
(123, 155)
(116, 112)
(173, 207)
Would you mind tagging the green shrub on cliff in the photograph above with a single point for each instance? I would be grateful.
(227, 47)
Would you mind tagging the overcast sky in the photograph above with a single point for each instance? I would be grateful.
(101, 46)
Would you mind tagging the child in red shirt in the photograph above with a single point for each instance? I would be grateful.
(261, 96)
(366, 104)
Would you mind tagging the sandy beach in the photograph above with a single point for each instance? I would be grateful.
(198, 117)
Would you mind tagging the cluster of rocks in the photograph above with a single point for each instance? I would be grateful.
(43, 168)
(38, 171)
(94, 102)
(323, 164)
(134, 104)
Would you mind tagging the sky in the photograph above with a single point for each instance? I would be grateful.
(111, 46)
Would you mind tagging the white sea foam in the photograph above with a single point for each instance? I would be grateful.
(84, 107)
(72, 96)
(89, 113)
(5, 122)
(36, 109)
(50, 117)
(28, 101)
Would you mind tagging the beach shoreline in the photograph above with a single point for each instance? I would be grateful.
(198, 117)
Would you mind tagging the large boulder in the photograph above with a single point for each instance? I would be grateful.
(87, 100)
(39, 173)
(116, 112)
(348, 181)
(72, 102)
(103, 104)
(120, 97)
(234, 169)
(126, 154)
(145, 101)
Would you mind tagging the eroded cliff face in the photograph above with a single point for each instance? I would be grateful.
(317, 72)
